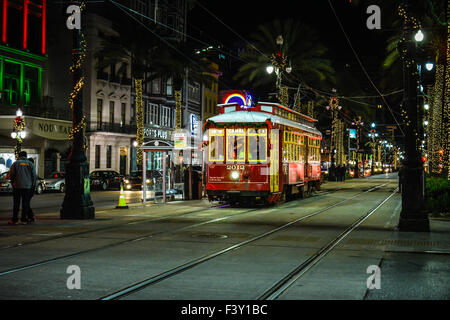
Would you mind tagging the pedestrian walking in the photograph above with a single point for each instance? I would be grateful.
(22, 175)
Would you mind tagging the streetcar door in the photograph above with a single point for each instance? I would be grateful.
(274, 161)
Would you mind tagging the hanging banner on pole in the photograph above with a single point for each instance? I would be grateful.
(180, 140)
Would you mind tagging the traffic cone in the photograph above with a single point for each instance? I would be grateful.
(122, 202)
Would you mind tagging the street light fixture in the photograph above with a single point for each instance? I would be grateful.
(429, 66)
(418, 36)
(426, 106)
(269, 69)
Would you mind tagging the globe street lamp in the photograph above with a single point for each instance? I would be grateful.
(419, 36)
(18, 132)
(279, 65)
(429, 66)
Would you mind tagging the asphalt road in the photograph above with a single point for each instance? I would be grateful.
(315, 248)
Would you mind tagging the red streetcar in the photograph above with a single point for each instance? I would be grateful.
(261, 153)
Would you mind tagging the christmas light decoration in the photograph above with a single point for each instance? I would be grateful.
(78, 128)
(178, 109)
(139, 121)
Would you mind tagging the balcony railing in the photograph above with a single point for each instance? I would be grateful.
(41, 110)
(110, 127)
(113, 79)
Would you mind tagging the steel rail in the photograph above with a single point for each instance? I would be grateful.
(188, 265)
(281, 286)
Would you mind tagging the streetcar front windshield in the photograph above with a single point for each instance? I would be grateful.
(236, 145)
(216, 137)
(257, 145)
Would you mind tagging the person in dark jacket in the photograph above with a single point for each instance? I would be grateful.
(22, 175)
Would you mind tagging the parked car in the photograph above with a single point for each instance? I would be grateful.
(6, 187)
(56, 182)
(134, 180)
(105, 179)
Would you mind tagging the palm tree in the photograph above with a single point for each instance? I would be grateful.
(300, 46)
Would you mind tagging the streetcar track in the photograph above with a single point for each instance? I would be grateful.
(133, 222)
(141, 237)
(194, 262)
(154, 219)
(282, 285)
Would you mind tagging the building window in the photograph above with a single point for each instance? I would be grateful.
(165, 116)
(97, 156)
(111, 112)
(31, 85)
(122, 114)
(11, 82)
(108, 156)
(99, 113)
(152, 114)
(156, 86)
(169, 87)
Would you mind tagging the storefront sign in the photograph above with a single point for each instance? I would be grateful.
(180, 140)
(194, 125)
(54, 130)
(157, 134)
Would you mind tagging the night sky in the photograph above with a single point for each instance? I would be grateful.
(244, 16)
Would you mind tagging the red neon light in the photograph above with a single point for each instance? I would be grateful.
(5, 14)
(44, 16)
(25, 23)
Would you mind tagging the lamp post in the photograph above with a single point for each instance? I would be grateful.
(18, 132)
(358, 123)
(412, 216)
(279, 65)
(334, 107)
(77, 202)
(373, 134)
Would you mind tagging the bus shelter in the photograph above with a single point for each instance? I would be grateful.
(156, 151)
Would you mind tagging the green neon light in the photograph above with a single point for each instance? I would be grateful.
(23, 53)
(22, 75)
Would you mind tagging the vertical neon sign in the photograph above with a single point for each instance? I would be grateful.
(5, 15)
(25, 23)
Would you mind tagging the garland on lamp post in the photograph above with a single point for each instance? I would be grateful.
(77, 202)
(18, 132)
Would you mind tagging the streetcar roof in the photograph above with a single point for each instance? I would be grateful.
(259, 117)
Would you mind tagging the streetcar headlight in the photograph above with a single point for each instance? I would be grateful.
(147, 181)
(128, 186)
(126, 181)
(235, 175)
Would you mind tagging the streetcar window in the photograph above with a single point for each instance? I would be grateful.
(257, 145)
(216, 145)
(236, 145)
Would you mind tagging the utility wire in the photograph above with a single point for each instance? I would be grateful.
(362, 67)
(229, 28)
(175, 30)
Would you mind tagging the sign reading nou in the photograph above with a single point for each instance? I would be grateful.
(54, 130)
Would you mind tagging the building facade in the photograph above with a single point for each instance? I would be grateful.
(24, 85)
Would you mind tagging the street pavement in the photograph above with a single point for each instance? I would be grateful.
(248, 250)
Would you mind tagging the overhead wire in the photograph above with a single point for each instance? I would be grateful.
(362, 66)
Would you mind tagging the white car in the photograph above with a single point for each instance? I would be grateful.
(56, 182)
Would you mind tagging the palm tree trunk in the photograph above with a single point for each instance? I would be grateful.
(139, 121)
